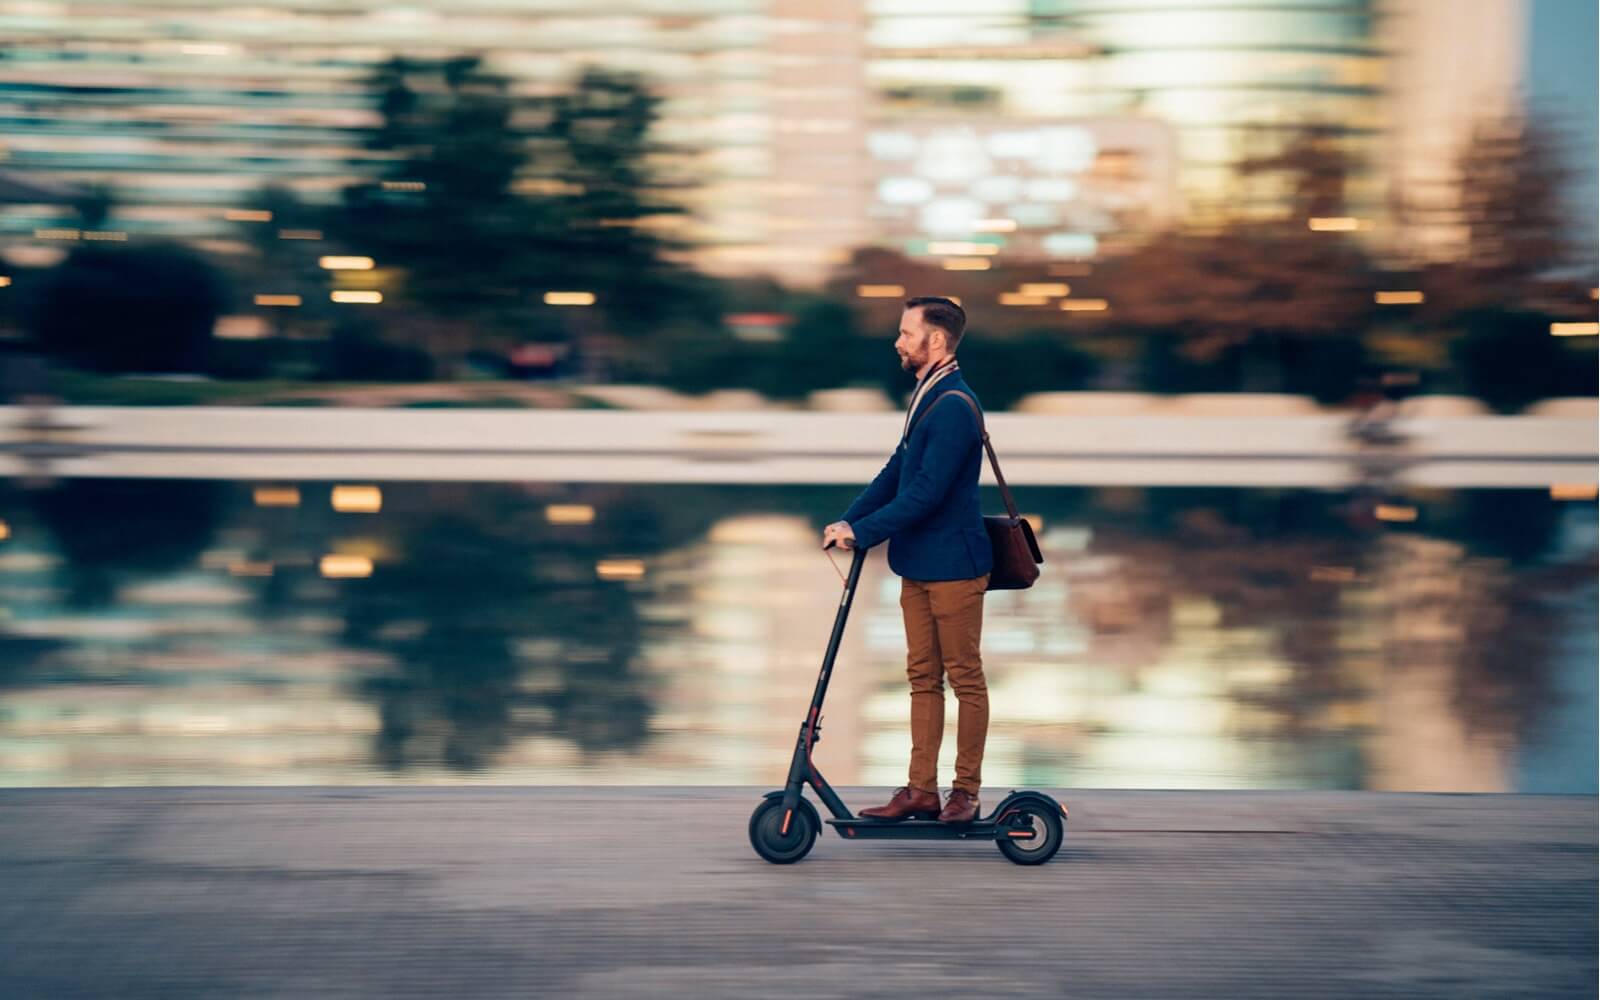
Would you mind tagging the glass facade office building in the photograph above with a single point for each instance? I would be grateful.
(1225, 76)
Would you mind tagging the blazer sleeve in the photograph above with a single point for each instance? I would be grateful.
(952, 434)
(878, 492)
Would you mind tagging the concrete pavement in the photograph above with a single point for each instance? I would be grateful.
(633, 892)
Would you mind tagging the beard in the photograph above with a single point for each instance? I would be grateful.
(911, 362)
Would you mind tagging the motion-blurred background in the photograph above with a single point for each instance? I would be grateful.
(1286, 312)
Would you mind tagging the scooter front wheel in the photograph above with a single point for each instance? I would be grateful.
(779, 844)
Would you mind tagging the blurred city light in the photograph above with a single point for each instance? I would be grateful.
(1085, 305)
(881, 291)
(337, 263)
(569, 298)
(277, 496)
(1574, 329)
(1053, 289)
(356, 296)
(336, 566)
(1019, 299)
(247, 215)
(277, 300)
(1398, 298)
(1397, 513)
(569, 513)
(243, 327)
(299, 234)
(357, 499)
(5, 531)
(1334, 224)
(1574, 491)
(5, 281)
(619, 569)
(966, 264)
(245, 567)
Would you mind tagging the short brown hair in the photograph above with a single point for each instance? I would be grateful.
(941, 312)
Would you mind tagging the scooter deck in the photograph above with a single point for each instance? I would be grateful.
(913, 829)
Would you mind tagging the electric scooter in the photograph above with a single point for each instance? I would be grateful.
(1027, 826)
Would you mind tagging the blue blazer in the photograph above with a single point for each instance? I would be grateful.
(925, 501)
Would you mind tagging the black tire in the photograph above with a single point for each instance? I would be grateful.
(768, 838)
(1048, 831)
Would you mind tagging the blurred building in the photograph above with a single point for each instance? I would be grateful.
(185, 110)
(1435, 105)
(1062, 128)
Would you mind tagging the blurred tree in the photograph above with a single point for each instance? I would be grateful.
(1266, 303)
(90, 522)
(491, 200)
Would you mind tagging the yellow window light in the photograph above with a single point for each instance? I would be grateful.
(5, 531)
(357, 499)
(1333, 224)
(404, 186)
(352, 295)
(966, 264)
(107, 236)
(334, 263)
(569, 513)
(56, 234)
(345, 567)
(247, 215)
(880, 291)
(1560, 491)
(1018, 299)
(619, 569)
(569, 298)
(277, 300)
(277, 496)
(1084, 305)
(5, 281)
(299, 234)
(1399, 298)
(1054, 289)
(1574, 329)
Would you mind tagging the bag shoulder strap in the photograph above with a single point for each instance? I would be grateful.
(994, 463)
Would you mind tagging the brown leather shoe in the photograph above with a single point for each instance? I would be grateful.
(961, 808)
(908, 803)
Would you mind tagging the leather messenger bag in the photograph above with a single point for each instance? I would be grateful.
(1016, 551)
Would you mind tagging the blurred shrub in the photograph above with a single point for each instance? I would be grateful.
(143, 308)
(1509, 359)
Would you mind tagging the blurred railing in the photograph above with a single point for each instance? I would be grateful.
(1265, 448)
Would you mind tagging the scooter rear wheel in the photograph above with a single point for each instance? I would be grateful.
(768, 837)
(1047, 832)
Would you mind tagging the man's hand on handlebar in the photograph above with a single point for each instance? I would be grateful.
(838, 533)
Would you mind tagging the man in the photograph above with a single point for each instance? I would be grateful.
(925, 502)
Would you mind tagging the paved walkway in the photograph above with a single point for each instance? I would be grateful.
(655, 892)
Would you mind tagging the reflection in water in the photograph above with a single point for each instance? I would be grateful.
(184, 632)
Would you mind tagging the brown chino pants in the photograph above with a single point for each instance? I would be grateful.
(944, 623)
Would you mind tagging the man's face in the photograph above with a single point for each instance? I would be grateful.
(915, 341)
